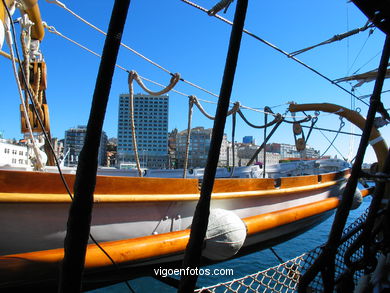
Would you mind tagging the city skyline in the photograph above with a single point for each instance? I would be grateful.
(264, 76)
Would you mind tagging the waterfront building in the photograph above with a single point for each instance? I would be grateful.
(288, 151)
(247, 151)
(151, 128)
(199, 148)
(13, 154)
(74, 141)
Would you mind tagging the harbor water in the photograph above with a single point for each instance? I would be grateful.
(249, 264)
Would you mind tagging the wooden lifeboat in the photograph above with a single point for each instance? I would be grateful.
(143, 222)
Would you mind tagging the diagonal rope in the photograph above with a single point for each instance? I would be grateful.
(335, 38)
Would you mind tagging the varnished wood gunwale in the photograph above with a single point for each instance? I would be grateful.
(45, 263)
(115, 198)
(19, 186)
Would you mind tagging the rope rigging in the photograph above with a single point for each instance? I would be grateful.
(277, 118)
(325, 263)
(133, 76)
(342, 124)
(53, 30)
(275, 48)
(335, 38)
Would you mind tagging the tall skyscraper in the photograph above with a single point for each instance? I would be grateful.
(151, 128)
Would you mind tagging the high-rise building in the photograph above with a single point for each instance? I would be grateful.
(151, 129)
(74, 141)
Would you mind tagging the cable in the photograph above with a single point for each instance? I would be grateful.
(360, 51)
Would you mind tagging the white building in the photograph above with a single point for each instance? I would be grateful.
(13, 155)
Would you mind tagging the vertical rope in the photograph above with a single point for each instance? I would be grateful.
(132, 75)
(265, 137)
(200, 220)
(80, 214)
(190, 110)
(233, 143)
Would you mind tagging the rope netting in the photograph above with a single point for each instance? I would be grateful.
(285, 276)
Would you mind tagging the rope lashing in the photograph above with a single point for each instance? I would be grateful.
(306, 119)
(234, 109)
(277, 117)
(191, 101)
(219, 6)
(133, 75)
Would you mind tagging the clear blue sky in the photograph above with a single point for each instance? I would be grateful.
(185, 40)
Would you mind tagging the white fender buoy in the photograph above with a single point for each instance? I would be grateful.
(225, 235)
(357, 196)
